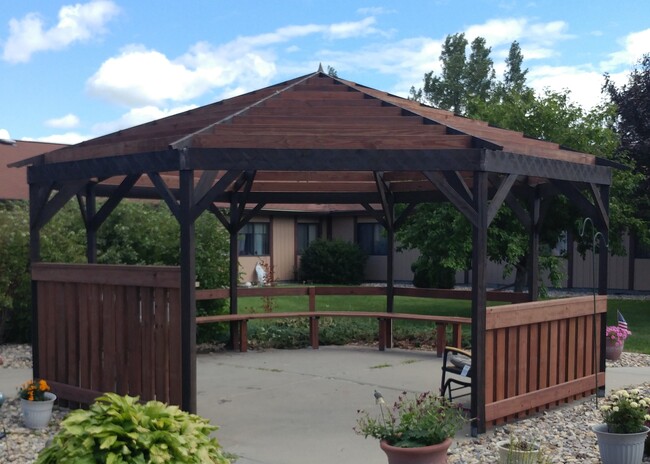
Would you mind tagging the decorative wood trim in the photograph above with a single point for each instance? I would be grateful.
(499, 197)
(107, 274)
(454, 196)
(165, 193)
(542, 397)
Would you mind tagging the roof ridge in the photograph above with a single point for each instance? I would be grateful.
(186, 140)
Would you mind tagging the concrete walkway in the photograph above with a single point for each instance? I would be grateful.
(299, 406)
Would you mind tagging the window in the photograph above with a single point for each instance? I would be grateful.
(372, 239)
(253, 239)
(306, 233)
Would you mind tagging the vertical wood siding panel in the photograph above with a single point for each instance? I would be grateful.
(72, 339)
(147, 344)
(84, 337)
(580, 350)
(175, 360)
(134, 340)
(490, 367)
(108, 338)
(121, 366)
(557, 366)
(501, 364)
(522, 360)
(161, 340)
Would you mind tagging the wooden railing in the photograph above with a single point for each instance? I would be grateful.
(542, 353)
(312, 292)
(384, 318)
(105, 328)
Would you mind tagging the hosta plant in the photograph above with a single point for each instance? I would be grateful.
(119, 429)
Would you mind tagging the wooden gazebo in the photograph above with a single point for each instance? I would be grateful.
(315, 139)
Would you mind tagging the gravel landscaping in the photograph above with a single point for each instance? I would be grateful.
(564, 432)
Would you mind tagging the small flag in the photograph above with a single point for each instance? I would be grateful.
(622, 323)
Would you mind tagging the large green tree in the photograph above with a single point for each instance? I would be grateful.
(632, 124)
(550, 116)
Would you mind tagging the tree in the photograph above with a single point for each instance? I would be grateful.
(479, 74)
(514, 77)
(551, 116)
(632, 124)
(448, 90)
(463, 81)
(331, 71)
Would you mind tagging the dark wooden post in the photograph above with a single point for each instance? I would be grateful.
(188, 290)
(479, 300)
(603, 259)
(390, 282)
(234, 269)
(91, 230)
(533, 247)
(35, 202)
(603, 255)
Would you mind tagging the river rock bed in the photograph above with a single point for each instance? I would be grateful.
(564, 433)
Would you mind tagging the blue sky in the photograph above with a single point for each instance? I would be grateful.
(73, 71)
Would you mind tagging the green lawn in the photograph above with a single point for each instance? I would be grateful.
(637, 315)
(345, 330)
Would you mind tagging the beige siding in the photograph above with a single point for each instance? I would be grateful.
(343, 228)
(283, 248)
(617, 273)
(642, 274)
(247, 268)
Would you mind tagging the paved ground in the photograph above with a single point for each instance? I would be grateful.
(299, 406)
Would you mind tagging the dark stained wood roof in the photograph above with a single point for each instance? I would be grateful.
(317, 135)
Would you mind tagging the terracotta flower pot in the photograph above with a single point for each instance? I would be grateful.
(434, 454)
(612, 351)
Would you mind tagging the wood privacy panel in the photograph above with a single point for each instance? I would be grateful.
(105, 328)
(541, 354)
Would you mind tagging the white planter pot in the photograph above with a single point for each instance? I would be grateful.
(37, 414)
(514, 456)
(620, 448)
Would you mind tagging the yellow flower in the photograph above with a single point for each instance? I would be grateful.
(615, 409)
(634, 404)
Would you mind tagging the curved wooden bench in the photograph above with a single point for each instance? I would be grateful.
(383, 318)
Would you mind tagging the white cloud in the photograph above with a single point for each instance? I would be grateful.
(4, 134)
(137, 116)
(77, 23)
(584, 84)
(635, 45)
(64, 122)
(70, 138)
(140, 76)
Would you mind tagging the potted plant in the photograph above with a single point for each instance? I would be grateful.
(518, 451)
(120, 429)
(36, 403)
(622, 436)
(416, 430)
(615, 336)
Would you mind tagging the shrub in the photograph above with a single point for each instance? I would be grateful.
(135, 233)
(119, 429)
(333, 262)
(431, 275)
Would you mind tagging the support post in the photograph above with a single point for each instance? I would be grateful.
(188, 290)
(479, 300)
(234, 270)
(533, 247)
(91, 229)
(390, 283)
(603, 260)
(34, 257)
